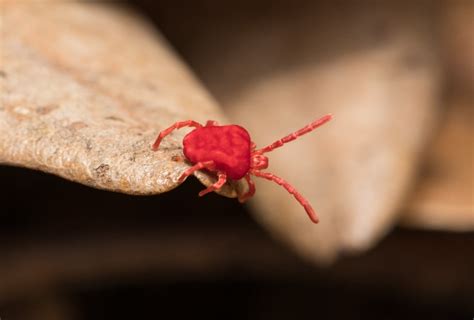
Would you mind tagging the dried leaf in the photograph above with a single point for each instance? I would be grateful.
(85, 88)
(377, 73)
(457, 43)
(444, 198)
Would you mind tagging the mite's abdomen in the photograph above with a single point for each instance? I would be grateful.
(227, 146)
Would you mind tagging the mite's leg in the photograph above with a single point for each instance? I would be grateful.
(269, 176)
(198, 166)
(292, 136)
(216, 186)
(211, 123)
(253, 146)
(177, 125)
(251, 190)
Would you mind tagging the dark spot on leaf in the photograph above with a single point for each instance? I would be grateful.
(114, 118)
(177, 159)
(46, 109)
(77, 125)
(101, 171)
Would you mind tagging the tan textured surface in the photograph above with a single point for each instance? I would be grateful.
(444, 196)
(377, 73)
(85, 88)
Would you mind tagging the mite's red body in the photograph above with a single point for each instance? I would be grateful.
(227, 146)
(229, 151)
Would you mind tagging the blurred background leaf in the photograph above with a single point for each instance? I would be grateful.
(378, 73)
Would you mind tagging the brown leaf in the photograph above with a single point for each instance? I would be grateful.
(377, 73)
(85, 88)
(456, 30)
(444, 196)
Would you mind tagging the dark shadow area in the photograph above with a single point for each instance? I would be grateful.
(114, 256)
(256, 299)
(247, 41)
(40, 204)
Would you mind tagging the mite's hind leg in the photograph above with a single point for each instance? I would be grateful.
(251, 190)
(269, 176)
(216, 186)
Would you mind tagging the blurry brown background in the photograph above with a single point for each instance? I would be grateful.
(72, 252)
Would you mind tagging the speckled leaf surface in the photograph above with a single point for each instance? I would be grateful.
(85, 88)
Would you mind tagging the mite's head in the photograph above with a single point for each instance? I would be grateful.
(258, 161)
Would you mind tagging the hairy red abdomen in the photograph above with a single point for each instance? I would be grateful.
(227, 146)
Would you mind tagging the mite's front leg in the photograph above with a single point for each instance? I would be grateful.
(177, 125)
(198, 166)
